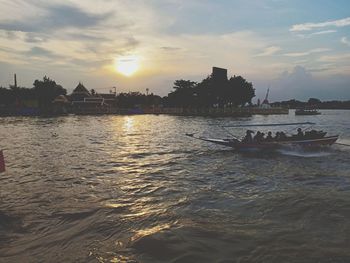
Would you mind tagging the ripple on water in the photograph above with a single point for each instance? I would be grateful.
(133, 188)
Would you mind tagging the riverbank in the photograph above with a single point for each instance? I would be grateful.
(210, 112)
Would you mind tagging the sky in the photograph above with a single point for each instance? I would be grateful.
(299, 49)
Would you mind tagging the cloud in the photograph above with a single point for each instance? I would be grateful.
(35, 38)
(301, 84)
(57, 17)
(312, 26)
(336, 58)
(41, 52)
(312, 51)
(345, 41)
(84, 37)
(269, 51)
(79, 40)
(324, 32)
(11, 35)
(170, 49)
(318, 33)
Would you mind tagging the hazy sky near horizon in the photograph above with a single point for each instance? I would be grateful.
(298, 48)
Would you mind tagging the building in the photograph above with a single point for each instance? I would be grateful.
(219, 74)
(91, 105)
(85, 102)
(60, 105)
(79, 93)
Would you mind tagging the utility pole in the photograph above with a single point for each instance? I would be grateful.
(15, 77)
(113, 92)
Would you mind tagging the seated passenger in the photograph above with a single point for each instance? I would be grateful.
(300, 134)
(283, 136)
(269, 137)
(277, 137)
(262, 136)
(248, 138)
(257, 137)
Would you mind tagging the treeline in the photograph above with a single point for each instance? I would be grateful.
(313, 103)
(40, 96)
(211, 92)
(134, 99)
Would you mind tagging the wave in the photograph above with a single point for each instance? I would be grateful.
(304, 153)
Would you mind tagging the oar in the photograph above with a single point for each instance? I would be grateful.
(2, 162)
(343, 144)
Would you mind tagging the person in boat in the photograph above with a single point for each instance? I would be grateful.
(314, 134)
(262, 136)
(259, 137)
(256, 137)
(277, 136)
(269, 137)
(248, 138)
(300, 133)
(283, 136)
(280, 136)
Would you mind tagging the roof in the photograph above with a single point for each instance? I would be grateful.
(80, 89)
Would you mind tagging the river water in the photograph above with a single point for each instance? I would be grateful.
(135, 189)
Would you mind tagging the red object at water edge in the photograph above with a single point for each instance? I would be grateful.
(2, 162)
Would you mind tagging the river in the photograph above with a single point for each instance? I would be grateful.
(135, 189)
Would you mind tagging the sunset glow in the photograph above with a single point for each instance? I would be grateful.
(297, 49)
(127, 66)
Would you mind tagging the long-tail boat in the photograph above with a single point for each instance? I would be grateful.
(308, 140)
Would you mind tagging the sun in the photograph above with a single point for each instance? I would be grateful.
(127, 65)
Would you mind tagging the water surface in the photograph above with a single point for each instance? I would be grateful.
(135, 189)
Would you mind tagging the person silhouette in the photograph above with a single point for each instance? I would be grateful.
(300, 133)
(248, 136)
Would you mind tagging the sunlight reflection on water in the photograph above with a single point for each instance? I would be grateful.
(125, 188)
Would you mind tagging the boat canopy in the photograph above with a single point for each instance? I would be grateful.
(271, 124)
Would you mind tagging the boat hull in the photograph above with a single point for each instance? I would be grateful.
(307, 112)
(274, 145)
(313, 113)
(277, 145)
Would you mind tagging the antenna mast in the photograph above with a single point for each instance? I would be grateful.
(267, 94)
(15, 78)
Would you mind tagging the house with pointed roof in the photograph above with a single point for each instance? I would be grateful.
(80, 93)
(85, 102)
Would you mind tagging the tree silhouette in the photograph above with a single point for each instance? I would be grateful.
(211, 92)
(134, 99)
(183, 94)
(46, 91)
(240, 91)
(313, 102)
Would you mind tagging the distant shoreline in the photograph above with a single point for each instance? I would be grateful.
(235, 112)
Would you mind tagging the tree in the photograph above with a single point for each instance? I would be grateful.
(183, 94)
(184, 85)
(313, 101)
(240, 91)
(205, 93)
(209, 92)
(46, 91)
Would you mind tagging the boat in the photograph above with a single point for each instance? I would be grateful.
(310, 139)
(307, 112)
